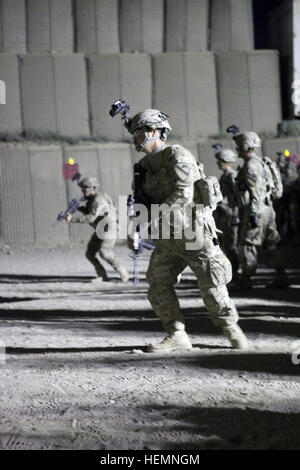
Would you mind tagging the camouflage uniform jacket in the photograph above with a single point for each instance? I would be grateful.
(96, 208)
(251, 185)
(171, 172)
(227, 185)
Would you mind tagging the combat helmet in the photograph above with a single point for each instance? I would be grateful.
(224, 155)
(147, 120)
(244, 140)
(89, 182)
(248, 140)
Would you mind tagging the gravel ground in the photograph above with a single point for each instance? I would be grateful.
(74, 373)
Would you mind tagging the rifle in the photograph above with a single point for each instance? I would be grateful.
(72, 208)
(138, 242)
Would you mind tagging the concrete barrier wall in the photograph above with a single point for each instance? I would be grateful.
(33, 191)
(50, 26)
(12, 26)
(116, 172)
(97, 26)
(232, 25)
(113, 76)
(10, 112)
(48, 193)
(16, 198)
(264, 83)
(249, 92)
(186, 25)
(185, 89)
(54, 93)
(141, 25)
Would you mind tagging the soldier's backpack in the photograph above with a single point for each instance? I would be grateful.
(207, 189)
(273, 177)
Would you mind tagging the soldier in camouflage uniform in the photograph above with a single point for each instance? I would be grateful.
(98, 206)
(170, 174)
(257, 216)
(226, 214)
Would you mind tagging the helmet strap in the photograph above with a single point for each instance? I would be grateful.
(147, 139)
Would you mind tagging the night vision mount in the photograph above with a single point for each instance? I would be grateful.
(234, 130)
(123, 108)
(217, 147)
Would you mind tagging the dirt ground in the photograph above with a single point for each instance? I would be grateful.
(75, 374)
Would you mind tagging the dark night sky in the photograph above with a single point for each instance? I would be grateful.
(261, 8)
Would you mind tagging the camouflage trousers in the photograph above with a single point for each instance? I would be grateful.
(265, 236)
(168, 260)
(229, 237)
(104, 249)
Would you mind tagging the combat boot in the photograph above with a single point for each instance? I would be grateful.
(99, 279)
(176, 341)
(236, 336)
(123, 274)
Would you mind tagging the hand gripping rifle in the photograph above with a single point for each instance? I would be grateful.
(73, 205)
(138, 243)
(72, 208)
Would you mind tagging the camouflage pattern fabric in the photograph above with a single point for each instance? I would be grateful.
(171, 172)
(223, 216)
(96, 208)
(251, 187)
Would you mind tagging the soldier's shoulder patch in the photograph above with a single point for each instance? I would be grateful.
(182, 170)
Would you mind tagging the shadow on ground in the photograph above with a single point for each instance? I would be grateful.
(228, 428)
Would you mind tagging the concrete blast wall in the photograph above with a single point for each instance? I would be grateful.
(54, 93)
(48, 193)
(32, 194)
(249, 90)
(231, 25)
(185, 89)
(141, 25)
(186, 25)
(113, 76)
(12, 26)
(17, 223)
(33, 191)
(50, 26)
(10, 112)
(97, 26)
